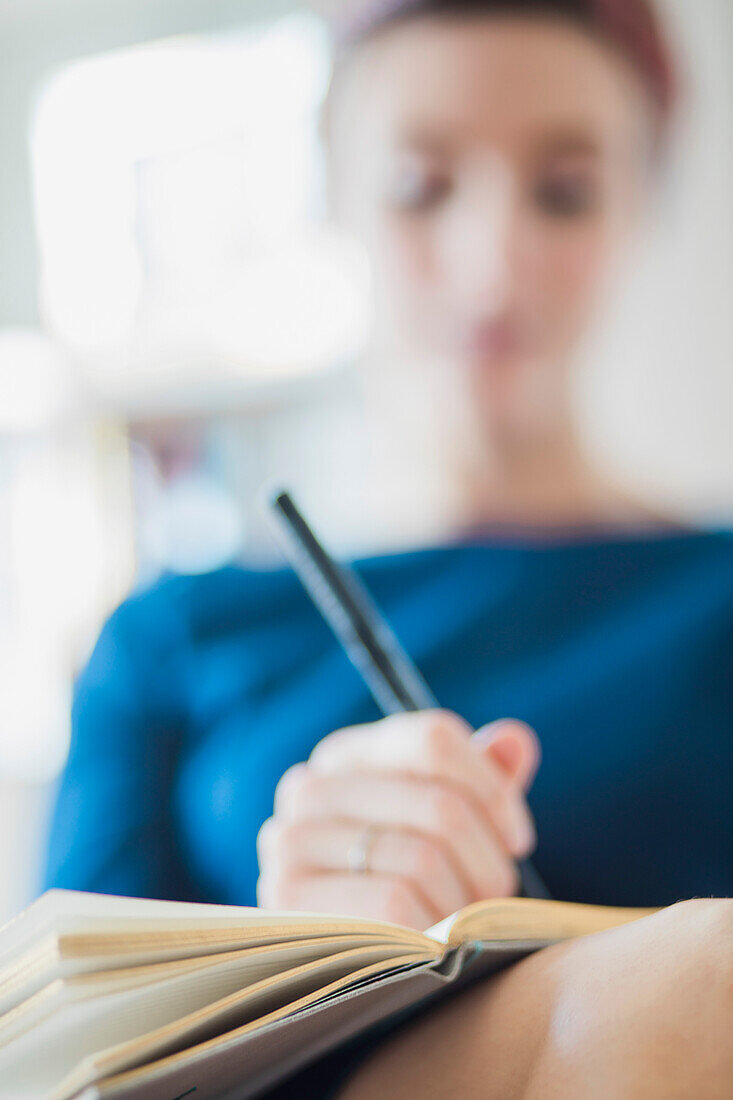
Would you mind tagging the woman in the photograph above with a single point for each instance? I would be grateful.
(495, 158)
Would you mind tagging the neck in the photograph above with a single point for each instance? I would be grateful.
(440, 474)
(537, 480)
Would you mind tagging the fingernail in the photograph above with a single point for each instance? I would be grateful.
(522, 833)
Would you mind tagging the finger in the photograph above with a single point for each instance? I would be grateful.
(288, 782)
(439, 810)
(514, 746)
(377, 897)
(295, 849)
(433, 744)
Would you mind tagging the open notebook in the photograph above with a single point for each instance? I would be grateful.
(107, 997)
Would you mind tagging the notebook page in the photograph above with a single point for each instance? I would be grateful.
(503, 920)
(59, 994)
(89, 1027)
(241, 1063)
(66, 933)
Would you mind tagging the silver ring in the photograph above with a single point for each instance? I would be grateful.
(357, 858)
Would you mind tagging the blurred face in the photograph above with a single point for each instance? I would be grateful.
(492, 166)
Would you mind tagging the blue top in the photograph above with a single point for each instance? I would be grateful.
(203, 690)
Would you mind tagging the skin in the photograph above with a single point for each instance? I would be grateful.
(495, 169)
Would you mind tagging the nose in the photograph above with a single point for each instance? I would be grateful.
(478, 237)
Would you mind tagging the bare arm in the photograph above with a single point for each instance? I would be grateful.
(643, 1011)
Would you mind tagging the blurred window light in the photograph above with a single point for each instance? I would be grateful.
(179, 200)
(186, 523)
(55, 559)
(36, 386)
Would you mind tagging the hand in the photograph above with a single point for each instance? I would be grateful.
(435, 816)
(642, 1012)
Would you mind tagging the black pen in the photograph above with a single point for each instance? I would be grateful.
(368, 640)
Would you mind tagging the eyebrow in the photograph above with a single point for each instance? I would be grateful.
(562, 143)
(424, 140)
(569, 143)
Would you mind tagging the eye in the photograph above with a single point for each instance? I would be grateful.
(417, 189)
(566, 196)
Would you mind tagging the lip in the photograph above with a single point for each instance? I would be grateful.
(494, 340)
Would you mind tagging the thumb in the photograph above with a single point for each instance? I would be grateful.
(513, 746)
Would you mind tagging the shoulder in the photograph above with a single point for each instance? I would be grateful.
(684, 550)
(678, 583)
(238, 595)
(714, 543)
(704, 557)
(179, 607)
(720, 545)
(147, 642)
(691, 570)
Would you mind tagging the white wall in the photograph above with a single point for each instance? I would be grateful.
(660, 392)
